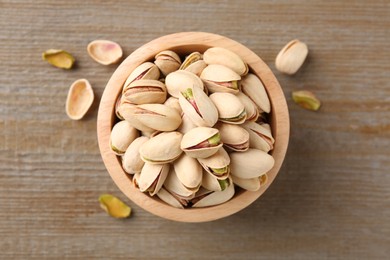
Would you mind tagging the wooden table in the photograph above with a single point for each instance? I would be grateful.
(331, 199)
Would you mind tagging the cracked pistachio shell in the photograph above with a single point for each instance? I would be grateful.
(168, 198)
(230, 109)
(197, 136)
(122, 135)
(250, 164)
(174, 103)
(210, 182)
(153, 177)
(188, 170)
(219, 160)
(252, 112)
(215, 198)
(178, 81)
(204, 112)
(252, 184)
(105, 52)
(233, 137)
(145, 91)
(291, 57)
(114, 206)
(196, 67)
(260, 136)
(126, 110)
(167, 62)
(186, 124)
(79, 100)
(132, 162)
(190, 59)
(162, 148)
(177, 188)
(252, 86)
(219, 78)
(146, 70)
(222, 56)
(59, 58)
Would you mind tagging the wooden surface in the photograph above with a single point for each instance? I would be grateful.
(331, 199)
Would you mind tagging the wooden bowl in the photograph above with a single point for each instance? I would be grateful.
(185, 43)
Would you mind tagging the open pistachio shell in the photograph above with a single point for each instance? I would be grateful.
(122, 135)
(177, 188)
(157, 116)
(201, 142)
(222, 56)
(252, 86)
(59, 58)
(252, 184)
(218, 164)
(230, 109)
(186, 124)
(145, 91)
(250, 164)
(153, 177)
(162, 148)
(146, 70)
(252, 112)
(105, 52)
(260, 136)
(132, 162)
(174, 103)
(215, 198)
(79, 100)
(210, 182)
(233, 137)
(219, 78)
(188, 170)
(178, 81)
(190, 59)
(198, 107)
(114, 206)
(126, 110)
(167, 62)
(168, 198)
(196, 67)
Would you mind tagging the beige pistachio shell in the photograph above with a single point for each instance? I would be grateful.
(174, 103)
(186, 124)
(206, 113)
(219, 78)
(210, 182)
(263, 179)
(218, 161)
(168, 198)
(146, 70)
(177, 188)
(197, 136)
(260, 136)
(162, 148)
(117, 105)
(291, 57)
(215, 198)
(167, 62)
(105, 52)
(153, 177)
(252, 184)
(230, 109)
(145, 91)
(122, 135)
(252, 112)
(180, 80)
(132, 162)
(135, 179)
(190, 59)
(188, 170)
(157, 116)
(79, 100)
(252, 86)
(126, 110)
(233, 137)
(197, 67)
(250, 164)
(222, 56)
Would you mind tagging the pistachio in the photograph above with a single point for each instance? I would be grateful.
(263, 179)
(122, 135)
(135, 179)
(177, 188)
(210, 182)
(132, 162)
(152, 177)
(291, 57)
(79, 100)
(146, 70)
(214, 198)
(178, 81)
(201, 142)
(59, 58)
(252, 86)
(218, 164)
(197, 67)
(252, 184)
(190, 59)
(230, 109)
(252, 112)
(186, 124)
(145, 91)
(222, 56)
(173, 103)
(117, 106)
(168, 198)
(188, 170)
(114, 206)
(167, 62)
(250, 164)
(219, 78)
(105, 52)
(126, 110)
(260, 136)
(233, 137)
(306, 99)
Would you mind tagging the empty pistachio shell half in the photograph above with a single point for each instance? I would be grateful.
(222, 56)
(145, 91)
(252, 86)
(252, 184)
(260, 136)
(79, 100)
(219, 78)
(162, 148)
(218, 164)
(291, 57)
(152, 177)
(210, 182)
(178, 81)
(168, 198)
(252, 112)
(250, 164)
(174, 103)
(114, 206)
(104, 52)
(167, 62)
(122, 135)
(201, 142)
(146, 70)
(214, 198)
(233, 137)
(177, 188)
(59, 58)
(230, 109)
(306, 99)
(188, 170)
(132, 162)
(186, 124)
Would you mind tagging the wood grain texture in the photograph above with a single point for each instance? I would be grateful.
(331, 200)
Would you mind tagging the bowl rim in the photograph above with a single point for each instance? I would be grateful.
(180, 41)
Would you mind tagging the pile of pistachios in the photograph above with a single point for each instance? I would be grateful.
(193, 131)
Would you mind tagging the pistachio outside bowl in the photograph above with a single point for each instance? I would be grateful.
(184, 43)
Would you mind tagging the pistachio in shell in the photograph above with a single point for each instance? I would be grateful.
(210, 182)
(174, 103)
(222, 56)
(105, 52)
(233, 137)
(145, 91)
(188, 170)
(178, 81)
(167, 61)
(79, 100)
(186, 124)
(122, 135)
(177, 188)
(252, 184)
(260, 136)
(126, 110)
(190, 59)
(219, 78)
(252, 112)
(59, 58)
(201, 142)
(218, 164)
(131, 161)
(146, 70)
(214, 198)
(117, 105)
(250, 164)
(230, 109)
(114, 206)
(196, 67)
(252, 86)
(170, 199)
(152, 177)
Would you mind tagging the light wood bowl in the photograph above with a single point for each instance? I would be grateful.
(185, 43)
